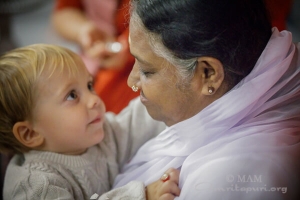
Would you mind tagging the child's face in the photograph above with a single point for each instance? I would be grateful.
(68, 113)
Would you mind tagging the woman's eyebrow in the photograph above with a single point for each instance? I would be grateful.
(139, 59)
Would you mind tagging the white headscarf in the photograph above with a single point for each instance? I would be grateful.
(253, 130)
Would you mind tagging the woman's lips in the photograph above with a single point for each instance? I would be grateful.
(142, 97)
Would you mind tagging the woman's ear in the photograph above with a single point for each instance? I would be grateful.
(26, 135)
(212, 74)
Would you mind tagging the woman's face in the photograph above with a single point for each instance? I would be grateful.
(165, 96)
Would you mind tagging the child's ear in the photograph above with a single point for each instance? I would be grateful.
(26, 135)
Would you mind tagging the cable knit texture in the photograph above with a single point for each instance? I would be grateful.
(40, 175)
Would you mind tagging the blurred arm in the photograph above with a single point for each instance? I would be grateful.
(67, 18)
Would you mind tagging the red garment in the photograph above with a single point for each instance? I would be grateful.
(111, 85)
(279, 11)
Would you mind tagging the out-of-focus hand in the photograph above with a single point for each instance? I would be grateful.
(108, 58)
(94, 44)
(88, 36)
(117, 60)
(166, 188)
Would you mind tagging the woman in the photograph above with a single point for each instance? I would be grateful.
(227, 85)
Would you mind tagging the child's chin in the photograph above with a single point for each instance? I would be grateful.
(100, 136)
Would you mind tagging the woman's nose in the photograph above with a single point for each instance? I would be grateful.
(134, 76)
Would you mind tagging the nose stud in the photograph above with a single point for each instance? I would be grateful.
(134, 88)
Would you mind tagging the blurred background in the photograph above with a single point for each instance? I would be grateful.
(25, 22)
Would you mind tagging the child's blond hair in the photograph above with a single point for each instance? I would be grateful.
(20, 73)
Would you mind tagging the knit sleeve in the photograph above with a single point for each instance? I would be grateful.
(42, 186)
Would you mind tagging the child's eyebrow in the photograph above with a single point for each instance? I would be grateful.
(65, 88)
(91, 78)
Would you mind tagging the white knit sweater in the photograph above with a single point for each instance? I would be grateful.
(46, 175)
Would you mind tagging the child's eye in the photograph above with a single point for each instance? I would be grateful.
(91, 86)
(72, 96)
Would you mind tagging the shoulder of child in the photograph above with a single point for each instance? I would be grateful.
(35, 180)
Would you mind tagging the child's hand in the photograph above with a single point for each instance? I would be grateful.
(166, 188)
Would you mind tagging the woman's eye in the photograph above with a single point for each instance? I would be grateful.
(72, 96)
(144, 70)
(146, 73)
(91, 86)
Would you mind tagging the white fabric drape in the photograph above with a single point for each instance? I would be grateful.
(250, 133)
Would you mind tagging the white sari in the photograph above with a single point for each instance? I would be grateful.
(245, 145)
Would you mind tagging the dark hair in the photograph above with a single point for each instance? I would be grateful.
(233, 31)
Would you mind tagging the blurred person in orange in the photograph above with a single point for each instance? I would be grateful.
(100, 28)
(279, 11)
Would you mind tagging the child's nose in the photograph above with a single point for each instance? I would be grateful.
(95, 101)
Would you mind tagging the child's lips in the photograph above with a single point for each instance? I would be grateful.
(96, 120)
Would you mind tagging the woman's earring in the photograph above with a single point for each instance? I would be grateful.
(211, 90)
(134, 88)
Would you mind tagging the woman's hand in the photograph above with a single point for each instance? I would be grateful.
(166, 188)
